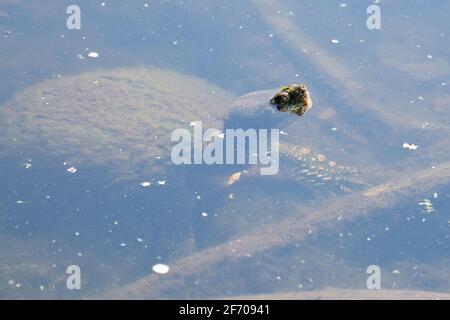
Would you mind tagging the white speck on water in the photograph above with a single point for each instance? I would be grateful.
(123, 244)
(334, 129)
(162, 182)
(420, 98)
(204, 214)
(429, 56)
(41, 287)
(93, 54)
(161, 268)
(80, 56)
(409, 146)
(139, 239)
(175, 42)
(72, 170)
(427, 206)
(334, 41)
(145, 184)
(343, 5)
(103, 4)
(20, 202)
(283, 133)
(77, 234)
(435, 195)
(396, 271)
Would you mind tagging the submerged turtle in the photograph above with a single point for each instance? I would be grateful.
(305, 173)
(120, 121)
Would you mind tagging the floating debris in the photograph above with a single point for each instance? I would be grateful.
(426, 125)
(162, 182)
(427, 206)
(234, 178)
(409, 146)
(27, 165)
(145, 184)
(334, 41)
(72, 170)
(93, 54)
(231, 196)
(204, 214)
(161, 268)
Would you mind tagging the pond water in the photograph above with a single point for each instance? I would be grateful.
(87, 176)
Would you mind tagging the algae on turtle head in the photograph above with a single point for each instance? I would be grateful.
(294, 98)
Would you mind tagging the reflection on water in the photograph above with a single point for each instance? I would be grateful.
(86, 176)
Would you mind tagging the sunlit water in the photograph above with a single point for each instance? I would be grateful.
(96, 188)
